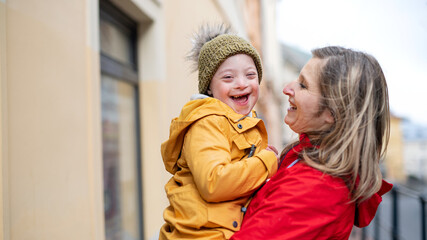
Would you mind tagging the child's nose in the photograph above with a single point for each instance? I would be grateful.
(242, 82)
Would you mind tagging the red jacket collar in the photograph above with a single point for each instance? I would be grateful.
(293, 153)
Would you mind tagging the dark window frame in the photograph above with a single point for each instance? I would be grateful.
(110, 66)
(127, 73)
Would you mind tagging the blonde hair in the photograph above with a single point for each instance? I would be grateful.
(354, 89)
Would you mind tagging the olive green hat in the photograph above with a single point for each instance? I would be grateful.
(217, 50)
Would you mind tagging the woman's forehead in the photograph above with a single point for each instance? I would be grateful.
(311, 71)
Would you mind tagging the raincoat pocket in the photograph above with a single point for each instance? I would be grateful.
(189, 208)
(225, 215)
(241, 142)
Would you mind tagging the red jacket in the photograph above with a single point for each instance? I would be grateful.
(300, 202)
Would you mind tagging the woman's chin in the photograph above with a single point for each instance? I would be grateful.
(286, 120)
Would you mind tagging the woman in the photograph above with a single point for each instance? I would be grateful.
(330, 179)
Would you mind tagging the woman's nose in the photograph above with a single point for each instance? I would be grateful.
(288, 90)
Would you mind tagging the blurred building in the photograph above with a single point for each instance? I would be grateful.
(406, 157)
(293, 60)
(88, 89)
(393, 162)
(415, 152)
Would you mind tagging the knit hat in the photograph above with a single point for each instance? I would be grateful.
(213, 46)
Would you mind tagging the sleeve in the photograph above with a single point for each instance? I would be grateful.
(302, 205)
(208, 155)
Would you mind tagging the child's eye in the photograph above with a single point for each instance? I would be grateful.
(227, 78)
(251, 75)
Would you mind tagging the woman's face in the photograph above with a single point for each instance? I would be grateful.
(304, 114)
(235, 83)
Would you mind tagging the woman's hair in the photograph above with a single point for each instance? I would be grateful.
(354, 89)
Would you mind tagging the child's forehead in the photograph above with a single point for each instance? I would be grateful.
(237, 61)
(220, 49)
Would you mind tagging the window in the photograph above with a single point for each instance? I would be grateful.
(120, 125)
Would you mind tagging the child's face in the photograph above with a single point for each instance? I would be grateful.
(236, 83)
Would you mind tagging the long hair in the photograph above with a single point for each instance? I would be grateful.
(354, 89)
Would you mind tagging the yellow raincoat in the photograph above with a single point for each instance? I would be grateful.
(218, 160)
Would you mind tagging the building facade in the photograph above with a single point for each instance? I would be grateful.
(88, 90)
(393, 161)
(415, 152)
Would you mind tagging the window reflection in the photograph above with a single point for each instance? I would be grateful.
(115, 42)
(120, 137)
(119, 157)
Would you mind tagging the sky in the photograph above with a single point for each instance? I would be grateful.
(393, 31)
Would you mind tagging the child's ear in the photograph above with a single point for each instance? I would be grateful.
(209, 92)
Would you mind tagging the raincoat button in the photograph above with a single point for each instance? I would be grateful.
(244, 209)
(235, 224)
(239, 126)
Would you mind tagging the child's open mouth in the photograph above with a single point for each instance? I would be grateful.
(240, 99)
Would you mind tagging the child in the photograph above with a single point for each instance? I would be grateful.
(217, 149)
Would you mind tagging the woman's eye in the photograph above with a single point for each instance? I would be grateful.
(302, 85)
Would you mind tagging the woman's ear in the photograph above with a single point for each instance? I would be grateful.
(329, 118)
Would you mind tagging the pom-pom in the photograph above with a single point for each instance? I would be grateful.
(206, 33)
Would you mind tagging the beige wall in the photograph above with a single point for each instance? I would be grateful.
(50, 125)
(4, 213)
(51, 160)
(394, 156)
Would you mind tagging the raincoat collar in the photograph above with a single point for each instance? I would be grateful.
(192, 112)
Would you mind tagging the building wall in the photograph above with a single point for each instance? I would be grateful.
(51, 149)
(415, 157)
(50, 129)
(4, 213)
(394, 156)
(273, 102)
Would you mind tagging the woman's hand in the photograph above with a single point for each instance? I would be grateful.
(273, 149)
